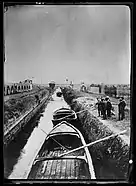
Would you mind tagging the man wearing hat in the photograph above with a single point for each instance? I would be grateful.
(99, 107)
(121, 108)
(103, 108)
(108, 106)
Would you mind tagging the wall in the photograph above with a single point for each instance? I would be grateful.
(13, 131)
(14, 87)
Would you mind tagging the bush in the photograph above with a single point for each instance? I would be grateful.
(16, 107)
(114, 151)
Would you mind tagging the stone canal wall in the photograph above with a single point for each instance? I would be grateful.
(112, 153)
(10, 134)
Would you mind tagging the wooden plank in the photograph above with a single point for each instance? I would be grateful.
(50, 154)
(44, 167)
(48, 167)
(76, 169)
(53, 153)
(52, 161)
(58, 169)
(58, 152)
(67, 175)
(54, 165)
(72, 169)
(63, 168)
(44, 153)
(48, 170)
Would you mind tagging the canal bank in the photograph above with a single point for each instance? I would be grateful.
(110, 157)
(108, 163)
(20, 153)
(20, 123)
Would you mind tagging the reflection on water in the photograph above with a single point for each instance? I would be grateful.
(20, 153)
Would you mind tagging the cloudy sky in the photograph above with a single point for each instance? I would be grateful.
(82, 43)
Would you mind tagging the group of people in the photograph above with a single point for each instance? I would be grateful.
(105, 107)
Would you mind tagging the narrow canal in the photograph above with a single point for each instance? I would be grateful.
(20, 153)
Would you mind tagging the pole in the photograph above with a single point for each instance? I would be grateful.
(92, 143)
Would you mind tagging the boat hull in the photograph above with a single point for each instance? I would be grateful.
(64, 114)
(75, 165)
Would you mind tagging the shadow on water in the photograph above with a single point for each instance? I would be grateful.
(13, 151)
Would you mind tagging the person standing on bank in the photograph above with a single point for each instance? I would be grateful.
(37, 99)
(99, 107)
(103, 108)
(108, 107)
(121, 108)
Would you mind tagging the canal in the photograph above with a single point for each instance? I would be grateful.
(20, 153)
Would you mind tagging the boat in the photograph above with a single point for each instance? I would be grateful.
(59, 94)
(64, 114)
(56, 161)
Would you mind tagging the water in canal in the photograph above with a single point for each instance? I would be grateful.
(20, 153)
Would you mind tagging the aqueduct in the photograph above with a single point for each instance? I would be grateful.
(12, 88)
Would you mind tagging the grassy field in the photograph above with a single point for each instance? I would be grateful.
(90, 99)
(18, 104)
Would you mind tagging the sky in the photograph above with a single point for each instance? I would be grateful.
(82, 43)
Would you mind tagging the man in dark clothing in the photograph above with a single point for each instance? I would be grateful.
(99, 106)
(103, 107)
(121, 107)
(108, 107)
(37, 98)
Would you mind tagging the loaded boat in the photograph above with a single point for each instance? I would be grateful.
(63, 155)
(64, 114)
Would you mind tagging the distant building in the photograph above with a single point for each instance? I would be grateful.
(94, 88)
(12, 88)
(123, 90)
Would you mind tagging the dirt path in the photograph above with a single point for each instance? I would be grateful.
(112, 123)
